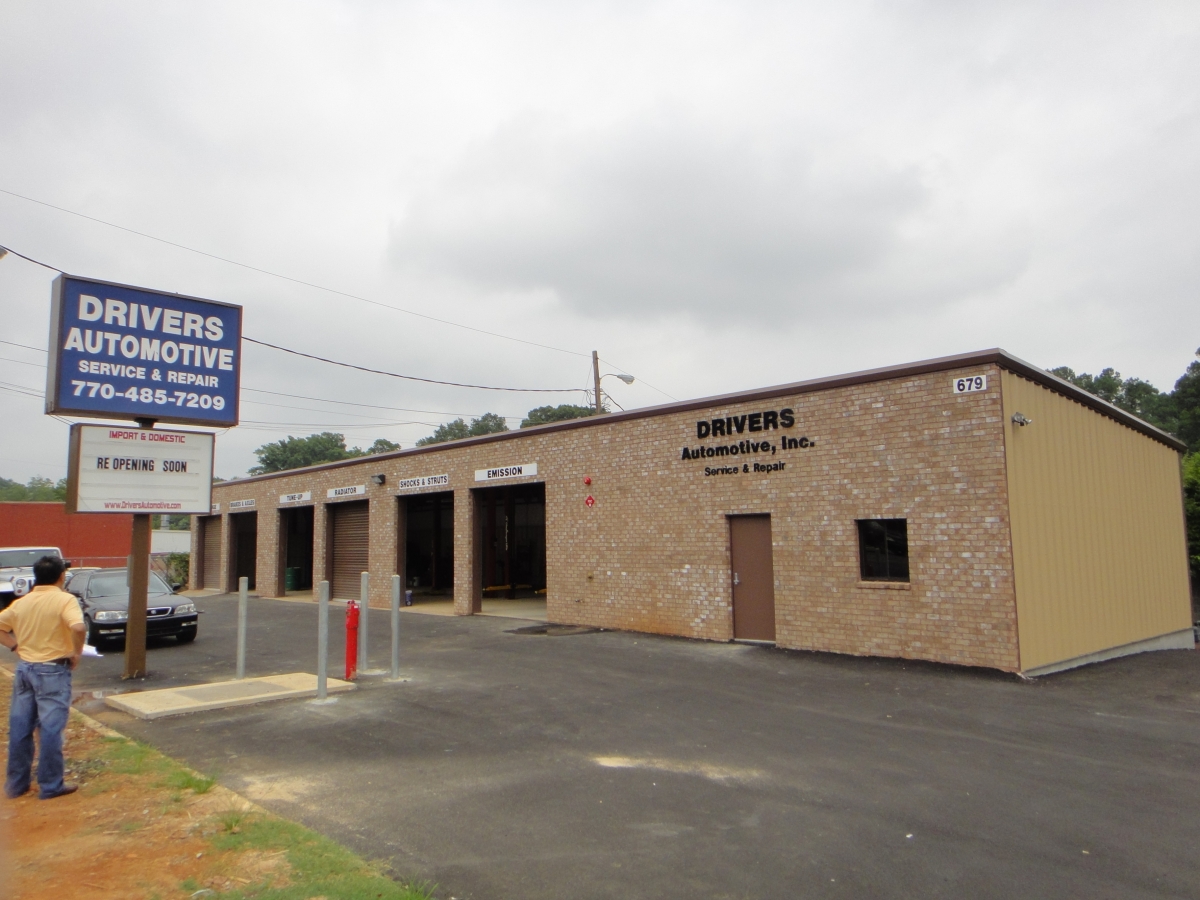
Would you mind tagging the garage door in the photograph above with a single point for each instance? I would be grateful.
(351, 535)
(211, 555)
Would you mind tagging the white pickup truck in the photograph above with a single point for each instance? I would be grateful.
(16, 570)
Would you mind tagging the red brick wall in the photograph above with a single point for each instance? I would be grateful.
(86, 539)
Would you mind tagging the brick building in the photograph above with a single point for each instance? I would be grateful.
(902, 512)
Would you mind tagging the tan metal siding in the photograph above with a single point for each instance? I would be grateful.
(351, 545)
(211, 558)
(1099, 550)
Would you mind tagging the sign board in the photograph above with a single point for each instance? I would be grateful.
(425, 481)
(358, 490)
(139, 470)
(120, 352)
(506, 472)
(301, 497)
(241, 504)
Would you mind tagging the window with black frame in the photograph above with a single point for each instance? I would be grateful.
(883, 549)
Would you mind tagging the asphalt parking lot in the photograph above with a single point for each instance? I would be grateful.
(618, 765)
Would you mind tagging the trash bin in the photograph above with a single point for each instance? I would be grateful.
(291, 579)
(408, 598)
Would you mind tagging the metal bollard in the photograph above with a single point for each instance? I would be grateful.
(323, 640)
(243, 588)
(364, 608)
(396, 627)
(351, 640)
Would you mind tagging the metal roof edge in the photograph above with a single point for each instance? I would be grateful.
(1049, 380)
(994, 356)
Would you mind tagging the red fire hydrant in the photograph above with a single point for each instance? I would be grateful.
(351, 640)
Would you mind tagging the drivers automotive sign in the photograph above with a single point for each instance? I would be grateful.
(123, 352)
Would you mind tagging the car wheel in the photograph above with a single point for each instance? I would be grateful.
(186, 637)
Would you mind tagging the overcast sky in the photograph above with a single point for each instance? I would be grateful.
(714, 196)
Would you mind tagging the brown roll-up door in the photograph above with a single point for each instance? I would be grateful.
(351, 539)
(211, 574)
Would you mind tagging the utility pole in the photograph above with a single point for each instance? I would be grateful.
(596, 380)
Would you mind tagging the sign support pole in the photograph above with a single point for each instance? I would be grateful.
(139, 583)
(138, 576)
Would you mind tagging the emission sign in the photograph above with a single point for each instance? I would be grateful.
(122, 352)
(139, 470)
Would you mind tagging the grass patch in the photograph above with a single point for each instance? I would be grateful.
(183, 780)
(126, 757)
(318, 865)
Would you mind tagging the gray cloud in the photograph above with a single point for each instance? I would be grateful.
(664, 216)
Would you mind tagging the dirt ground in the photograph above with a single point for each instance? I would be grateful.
(140, 826)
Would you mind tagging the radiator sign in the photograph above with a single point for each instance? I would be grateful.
(358, 490)
(120, 352)
(139, 470)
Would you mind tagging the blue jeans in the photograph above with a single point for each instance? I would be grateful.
(41, 698)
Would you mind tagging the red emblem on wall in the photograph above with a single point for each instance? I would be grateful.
(590, 501)
(587, 479)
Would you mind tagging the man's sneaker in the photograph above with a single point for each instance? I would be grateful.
(66, 789)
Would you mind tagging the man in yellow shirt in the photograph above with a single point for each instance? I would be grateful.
(46, 629)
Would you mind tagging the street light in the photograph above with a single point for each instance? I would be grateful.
(596, 376)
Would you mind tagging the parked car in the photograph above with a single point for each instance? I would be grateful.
(104, 596)
(16, 570)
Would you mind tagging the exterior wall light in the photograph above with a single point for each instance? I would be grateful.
(378, 479)
(1020, 419)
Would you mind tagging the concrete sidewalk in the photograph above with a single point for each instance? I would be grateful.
(221, 695)
(603, 765)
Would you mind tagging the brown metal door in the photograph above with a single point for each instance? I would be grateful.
(753, 578)
(210, 574)
(351, 539)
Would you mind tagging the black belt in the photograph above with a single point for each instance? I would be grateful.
(61, 661)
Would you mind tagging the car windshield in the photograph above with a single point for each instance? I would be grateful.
(24, 559)
(112, 584)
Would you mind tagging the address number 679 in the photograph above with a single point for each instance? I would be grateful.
(970, 385)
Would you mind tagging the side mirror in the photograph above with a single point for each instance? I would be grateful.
(176, 587)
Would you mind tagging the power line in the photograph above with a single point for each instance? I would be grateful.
(436, 412)
(332, 362)
(478, 387)
(21, 362)
(234, 262)
(26, 346)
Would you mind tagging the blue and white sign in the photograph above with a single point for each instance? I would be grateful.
(120, 352)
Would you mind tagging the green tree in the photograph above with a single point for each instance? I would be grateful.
(382, 445)
(37, 489)
(1191, 505)
(543, 415)
(1133, 395)
(488, 423)
(294, 452)
(1186, 397)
